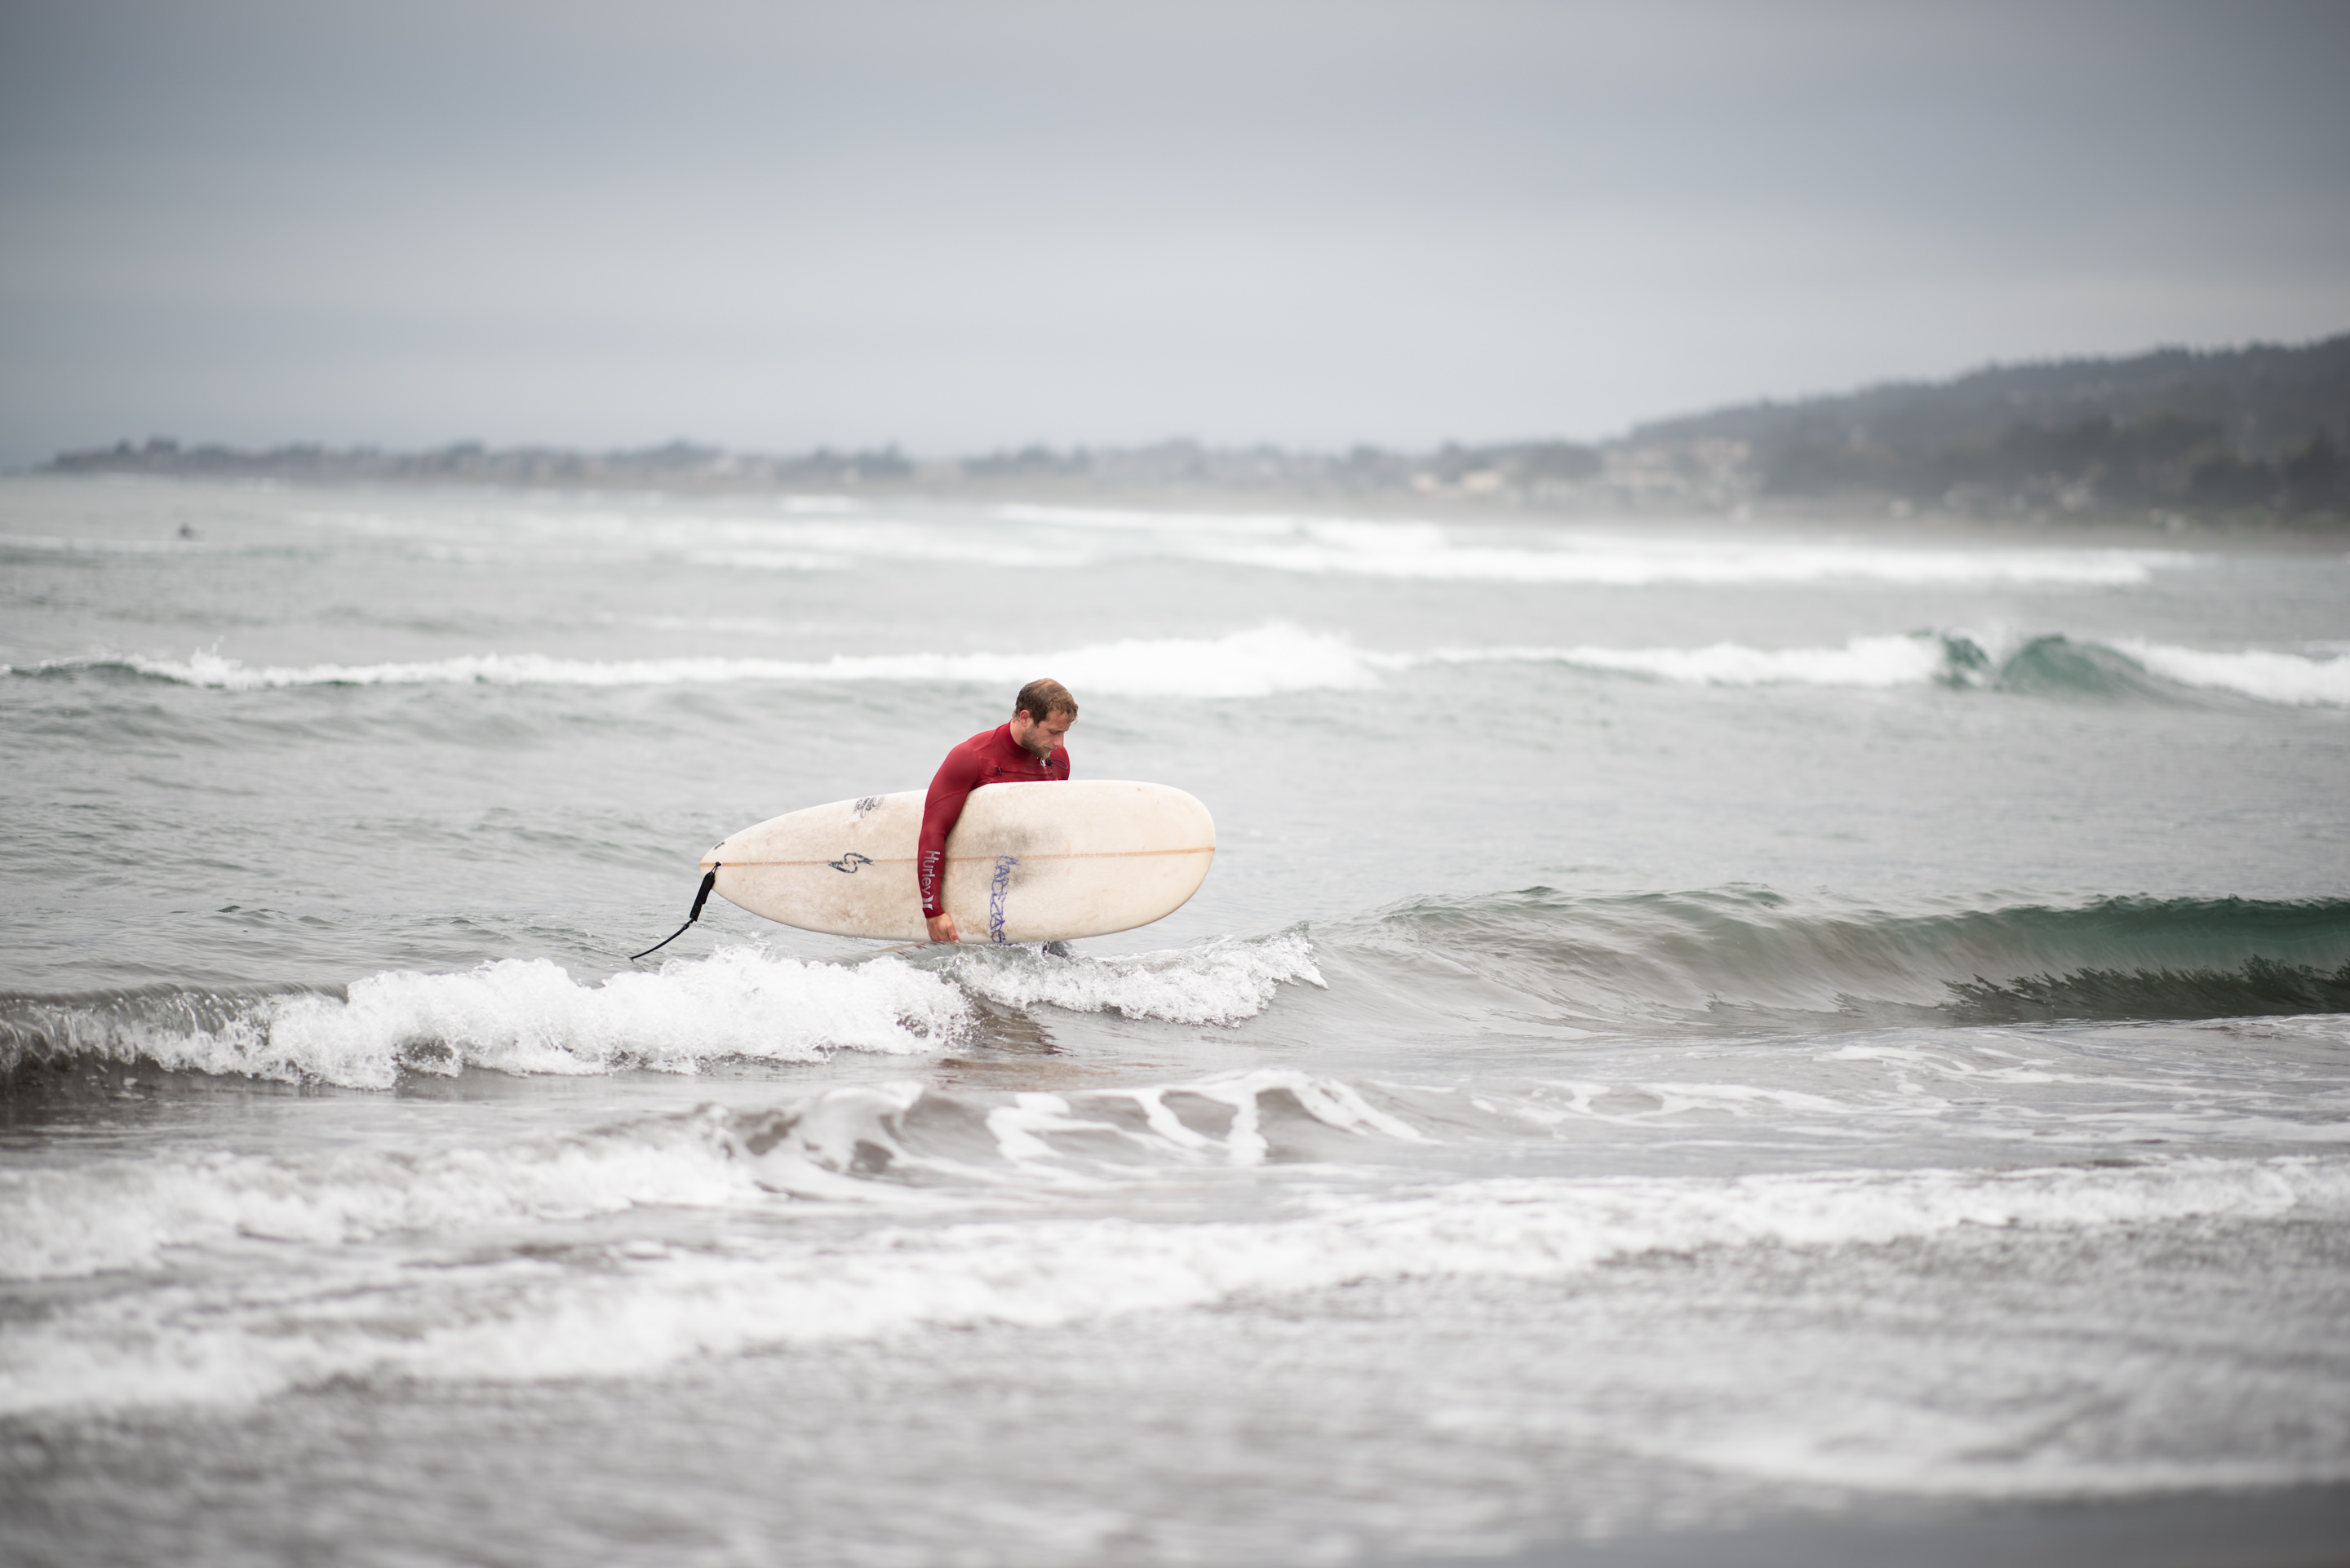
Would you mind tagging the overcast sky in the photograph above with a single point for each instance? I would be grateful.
(970, 225)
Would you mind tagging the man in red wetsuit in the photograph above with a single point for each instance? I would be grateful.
(1033, 746)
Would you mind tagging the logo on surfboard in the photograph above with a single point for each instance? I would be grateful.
(849, 862)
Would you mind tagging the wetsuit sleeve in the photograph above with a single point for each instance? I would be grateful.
(942, 809)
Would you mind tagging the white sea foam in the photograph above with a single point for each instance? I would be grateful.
(1221, 982)
(1597, 561)
(1434, 552)
(635, 1310)
(819, 535)
(68, 1222)
(1260, 662)
(769, 560)
(2292, 679)
(75, 1220)
(1862, 661)
(527, 1016)
(1970, 1089)
(1253, 663)
(830, 1146)
(1016, 536)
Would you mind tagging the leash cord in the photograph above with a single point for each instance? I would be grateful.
(708, 881)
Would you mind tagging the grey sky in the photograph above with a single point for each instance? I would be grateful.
(960, 225)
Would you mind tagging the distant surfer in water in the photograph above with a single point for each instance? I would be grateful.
(1033, 746)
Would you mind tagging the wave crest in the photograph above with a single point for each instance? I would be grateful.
(1739, 955)
(1260, 662)
(529, 1017)
(1270, 660)
(513, 1015)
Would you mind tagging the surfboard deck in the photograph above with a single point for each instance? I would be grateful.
(1028, 863)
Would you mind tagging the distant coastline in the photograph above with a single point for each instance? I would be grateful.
(2253, 437)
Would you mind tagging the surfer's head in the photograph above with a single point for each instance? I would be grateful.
(1041, 715)
(1042, 700)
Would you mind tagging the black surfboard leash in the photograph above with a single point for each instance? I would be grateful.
(708, 880)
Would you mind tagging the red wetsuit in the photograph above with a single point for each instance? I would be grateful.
(991, 756)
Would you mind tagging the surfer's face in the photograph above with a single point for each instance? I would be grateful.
(1042, 736)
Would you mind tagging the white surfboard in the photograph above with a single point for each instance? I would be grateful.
(1027, 863)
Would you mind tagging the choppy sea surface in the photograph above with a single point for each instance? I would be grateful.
(1685, 1031)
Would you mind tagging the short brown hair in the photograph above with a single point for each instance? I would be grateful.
(1042, 700)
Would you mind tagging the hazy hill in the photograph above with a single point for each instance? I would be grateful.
(2255, 432)
(2257, 427)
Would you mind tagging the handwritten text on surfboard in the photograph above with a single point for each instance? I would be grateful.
(997, 887)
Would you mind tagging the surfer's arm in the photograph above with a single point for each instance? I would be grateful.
(942, 809)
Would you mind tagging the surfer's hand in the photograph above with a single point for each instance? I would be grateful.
(942, 928)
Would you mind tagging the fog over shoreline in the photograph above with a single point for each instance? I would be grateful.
(961, 229)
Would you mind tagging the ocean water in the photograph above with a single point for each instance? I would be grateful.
(1687, 1032)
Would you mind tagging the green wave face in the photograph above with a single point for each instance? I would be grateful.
(2060, 667)
(2257, 986)
(1740, 954)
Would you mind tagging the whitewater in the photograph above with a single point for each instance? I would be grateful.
(1695, 1033)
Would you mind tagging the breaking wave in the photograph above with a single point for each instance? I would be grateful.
(529, 1017)
(2051, 665)
(1735, 956)
(1270, 660)
(1256, 663)
(1740, 955)
(2290, 678)
(513, 1015)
